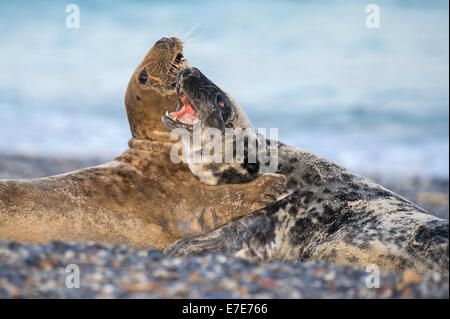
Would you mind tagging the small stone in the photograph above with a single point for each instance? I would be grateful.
(194, 277)
(267, 283)
(409, 277)
(330, 276)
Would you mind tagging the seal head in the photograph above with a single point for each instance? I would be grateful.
(204, 107)
(201, 102)
(151, 89)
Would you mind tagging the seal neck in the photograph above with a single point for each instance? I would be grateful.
(155, 135)
(141, 152)
(160, 146)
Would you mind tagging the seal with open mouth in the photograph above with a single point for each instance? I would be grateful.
(140, 198)
(332, 215)
(196, 94)
(151, 89)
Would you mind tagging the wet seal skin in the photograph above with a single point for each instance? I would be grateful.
(332, 214)
(141, 198)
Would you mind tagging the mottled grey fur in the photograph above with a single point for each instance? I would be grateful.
(331, 215)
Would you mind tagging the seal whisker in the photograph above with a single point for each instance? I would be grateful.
(190, 42)
(190, 31)
(154, 67)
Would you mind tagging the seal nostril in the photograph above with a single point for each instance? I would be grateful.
(161, 41)
(196, 71)
(169, 41)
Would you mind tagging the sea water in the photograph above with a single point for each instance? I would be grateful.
(370, 99)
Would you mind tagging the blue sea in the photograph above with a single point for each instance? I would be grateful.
(370, 99)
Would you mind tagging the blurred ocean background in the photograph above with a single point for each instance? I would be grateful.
(372, 100)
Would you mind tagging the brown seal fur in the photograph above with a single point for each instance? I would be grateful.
(140, 198)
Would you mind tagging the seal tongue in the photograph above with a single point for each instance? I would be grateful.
(186, 108)
(186, 113)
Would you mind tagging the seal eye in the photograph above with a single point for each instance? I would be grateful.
(143, 77)
(220, 101)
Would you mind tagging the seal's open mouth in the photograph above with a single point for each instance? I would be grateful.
(176, 65)
(185, 115)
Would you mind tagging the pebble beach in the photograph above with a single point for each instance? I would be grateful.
(40, 271)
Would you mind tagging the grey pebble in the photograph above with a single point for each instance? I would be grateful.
(39, 271)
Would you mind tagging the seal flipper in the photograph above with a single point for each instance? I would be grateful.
(254, 195)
